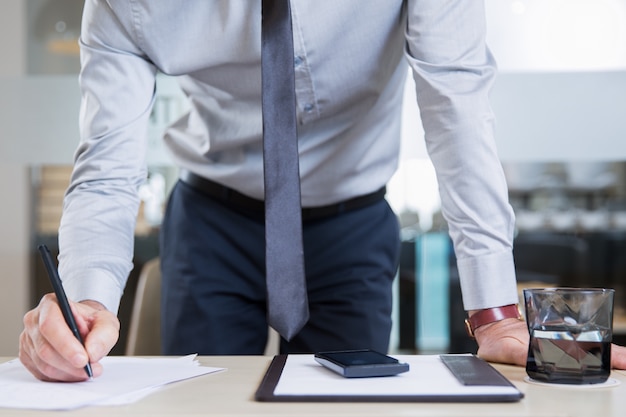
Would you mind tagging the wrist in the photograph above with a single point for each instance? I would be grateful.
(96, 305)
(479, 318)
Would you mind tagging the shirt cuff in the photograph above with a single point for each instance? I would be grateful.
(100, 287)
(488, 281)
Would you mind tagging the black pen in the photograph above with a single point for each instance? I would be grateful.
(53, 274)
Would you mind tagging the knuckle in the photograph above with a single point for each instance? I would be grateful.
(47, 297)
(29, 318)
(47, 326)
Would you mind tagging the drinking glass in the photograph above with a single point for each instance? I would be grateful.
(570, 334)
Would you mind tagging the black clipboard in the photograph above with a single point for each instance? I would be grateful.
(469, 370)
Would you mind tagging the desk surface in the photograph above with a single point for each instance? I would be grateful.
(231, 393)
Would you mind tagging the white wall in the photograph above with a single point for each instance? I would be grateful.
(557, 35)
(14, 187)
(561, 91)
(561, 116)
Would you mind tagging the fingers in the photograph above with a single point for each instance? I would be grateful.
(50, 351)
(48, 348)
(37, 367)
(618, 357)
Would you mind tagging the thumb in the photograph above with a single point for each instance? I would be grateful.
(103, 331)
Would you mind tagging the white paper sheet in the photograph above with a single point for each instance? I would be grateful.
(125, 380)
(427, 375)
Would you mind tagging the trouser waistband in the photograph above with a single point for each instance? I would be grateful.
(237, 200)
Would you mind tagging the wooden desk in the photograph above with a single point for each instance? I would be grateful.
(231, 393)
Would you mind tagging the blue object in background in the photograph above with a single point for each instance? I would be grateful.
(432, 292)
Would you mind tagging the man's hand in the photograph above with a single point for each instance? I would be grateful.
(506, 341)
(49, 350)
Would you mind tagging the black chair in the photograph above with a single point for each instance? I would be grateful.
(407, 324)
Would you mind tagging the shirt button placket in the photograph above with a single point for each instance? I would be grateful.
(303, 92)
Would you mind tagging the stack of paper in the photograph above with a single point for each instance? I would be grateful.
(125, 380)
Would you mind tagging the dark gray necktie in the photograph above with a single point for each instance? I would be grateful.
(288, 308)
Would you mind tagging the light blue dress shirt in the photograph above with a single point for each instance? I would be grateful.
(350, 59)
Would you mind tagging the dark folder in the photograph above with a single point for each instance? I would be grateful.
(431, 378)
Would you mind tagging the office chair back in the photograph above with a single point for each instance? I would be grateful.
(144, 334)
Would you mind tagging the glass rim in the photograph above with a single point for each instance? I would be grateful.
(585, 290)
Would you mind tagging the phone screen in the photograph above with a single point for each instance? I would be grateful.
(359, 357)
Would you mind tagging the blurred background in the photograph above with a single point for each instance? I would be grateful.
(560, 103)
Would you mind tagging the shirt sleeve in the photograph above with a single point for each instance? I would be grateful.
(453, 71)
(117, 82)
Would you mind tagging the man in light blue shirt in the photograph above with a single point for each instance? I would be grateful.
(350, 60)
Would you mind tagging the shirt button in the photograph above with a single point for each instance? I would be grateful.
(297, 61)
(308, 107)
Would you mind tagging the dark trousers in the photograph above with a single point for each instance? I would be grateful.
(213, 271)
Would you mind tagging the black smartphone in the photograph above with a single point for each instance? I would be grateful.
(361, 363)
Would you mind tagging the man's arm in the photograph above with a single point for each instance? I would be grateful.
(117, 83)
(97, 228)
(454, 71)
